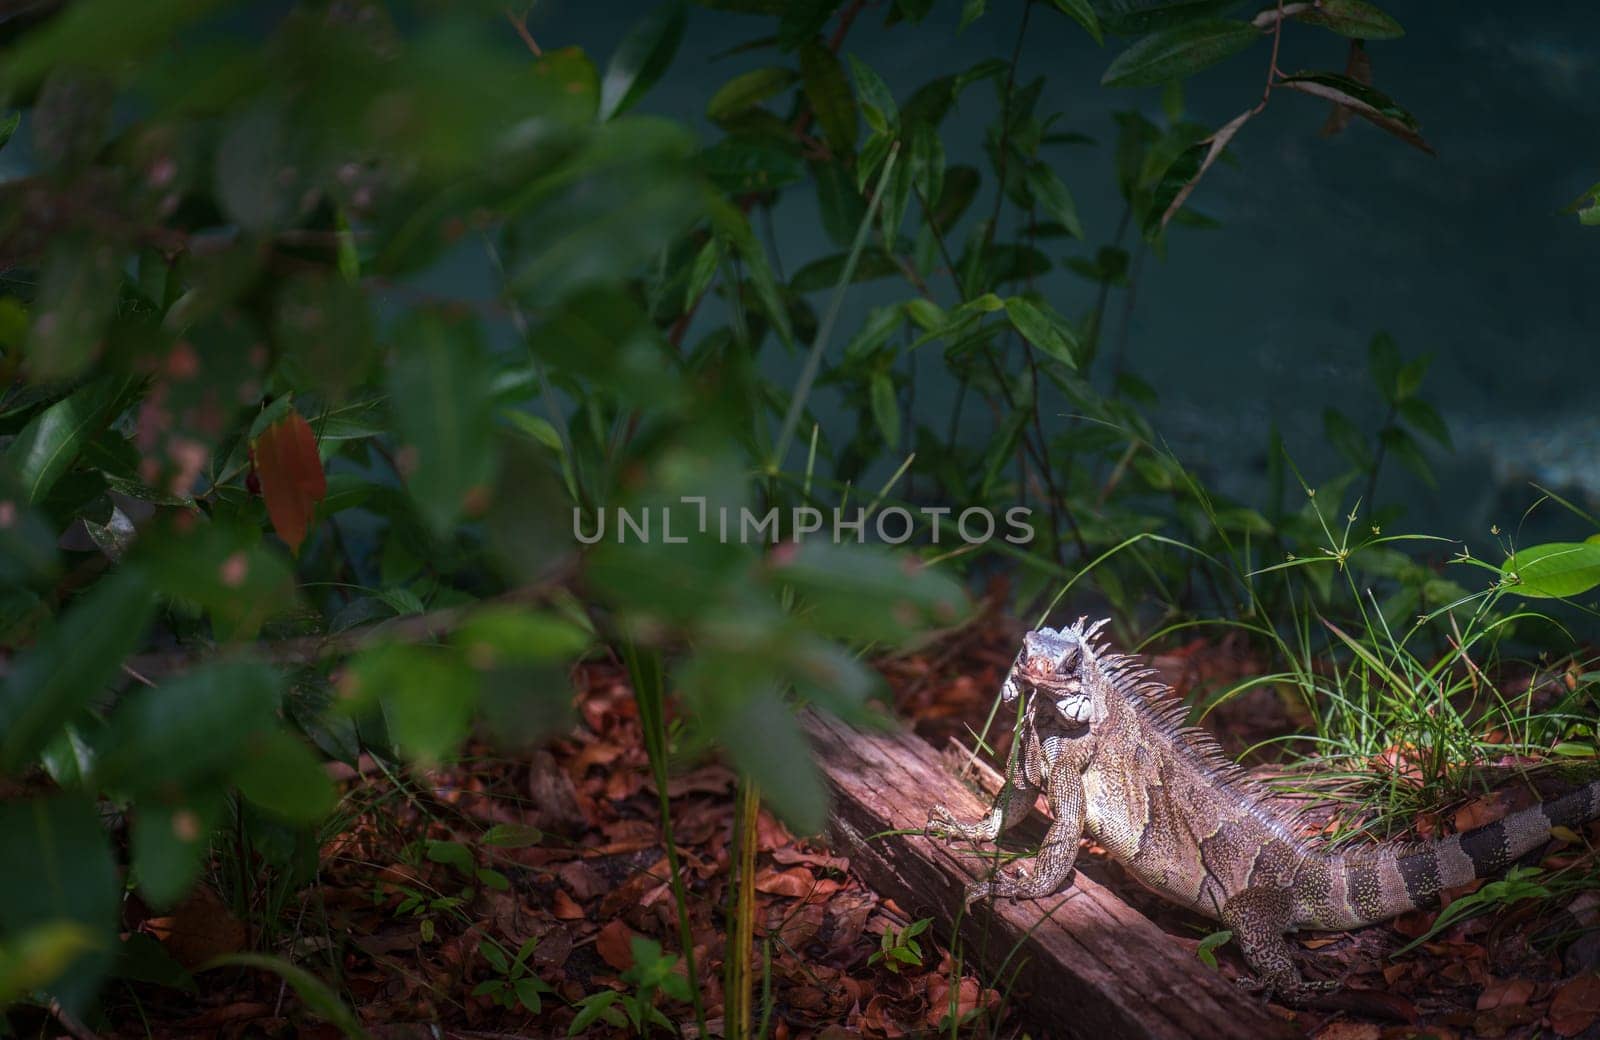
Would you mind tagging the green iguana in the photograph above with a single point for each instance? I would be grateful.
(1106, 744)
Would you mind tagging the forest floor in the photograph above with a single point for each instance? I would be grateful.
(432, 887)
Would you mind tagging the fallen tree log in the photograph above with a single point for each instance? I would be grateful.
(1084, 962)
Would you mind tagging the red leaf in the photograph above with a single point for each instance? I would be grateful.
(292, 481)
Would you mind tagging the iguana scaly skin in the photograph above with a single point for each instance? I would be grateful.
(1106, 744)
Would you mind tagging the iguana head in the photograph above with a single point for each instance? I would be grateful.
(1050, 669)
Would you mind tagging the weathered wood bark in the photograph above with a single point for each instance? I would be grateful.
(1084, 961)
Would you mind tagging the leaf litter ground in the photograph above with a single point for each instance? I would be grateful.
(557, 855)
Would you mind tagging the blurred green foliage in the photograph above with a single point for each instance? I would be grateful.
(234, 214)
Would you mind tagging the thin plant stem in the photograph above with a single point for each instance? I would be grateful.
(808, 374)
(649, 692)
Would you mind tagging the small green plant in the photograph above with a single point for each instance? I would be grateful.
(1517, 885)
(458, 857)
(1207, 950)
(899, 946)
(652, 973)
(424, 906)
(513, 982)
(453, 854)
(1408, 414)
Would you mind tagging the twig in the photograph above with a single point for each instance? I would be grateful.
(521, 25)
(1005, 125)
(71, 1023)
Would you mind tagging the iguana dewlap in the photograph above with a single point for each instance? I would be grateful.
(1106, 744)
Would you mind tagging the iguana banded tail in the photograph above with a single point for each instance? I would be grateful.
(1107, 745)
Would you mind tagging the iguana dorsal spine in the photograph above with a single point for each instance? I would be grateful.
(1106, 743)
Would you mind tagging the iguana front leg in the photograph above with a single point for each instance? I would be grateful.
(1010, 809)
(1011, 806)
(1051, 868)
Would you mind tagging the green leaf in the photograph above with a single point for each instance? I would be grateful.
(1421, 414)
(1040, 326)
(40, 954)
(1383, 361)
(1409, 378)
(224, 570)
(512, 836)
(609, 209)
(971, 11)
(53, 439)
(1054, 198)
(1587, 207)
(594, 1008)
(427, 693)
(456, 855)
(826, 272)
(142, 958)
(840, 204)
(170, 840)
(744, 163)
(8, 126)
(189, 727)
(537, 427)
(1081, 12)
(1356, 19)
(1206, 951)
(885, 408)
(802, 20)
(1179, 51)
(518, 635)
(828, 89)
(1347, 438)
(528, 990)
(763, 738)
(925, 167)
(1554, 570)
(1372, 105)
(438, 384)
(311, 990)
(747, 91)
(77, 292)
(867, 594)
(734, 224)
(1147, 16)
(877, 100)
(280, 774)
(1404, 447)
(642, 58)
(56, 868)
(71, 663)
(572, 86)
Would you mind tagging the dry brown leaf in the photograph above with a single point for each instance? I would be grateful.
(615, 945)
(553, 798)
(1480, 811)
(1505, 993)
(878, 1021)
(238, 1011)
(967, 1000)
(199, 929)
(1576, 1006)
(791, 857)
(584, 880)
(564, 908)
(770, 834)
(796, 883)
(1348, 1031)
